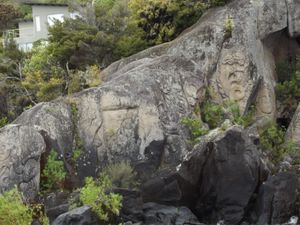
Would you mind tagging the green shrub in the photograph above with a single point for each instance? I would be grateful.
(213, 114)
(14, 212)
(54, 173)
(272, 141)
(3, 121)
(121, 175)
(105, 205)
(195, 127)
(288, 93)
(228, 27)
(235, 114)
(12, 209)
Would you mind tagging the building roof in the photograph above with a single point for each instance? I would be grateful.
(44, 4)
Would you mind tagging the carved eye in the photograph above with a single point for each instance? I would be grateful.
(232, 76)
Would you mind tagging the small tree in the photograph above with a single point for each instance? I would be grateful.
(54, 173)
(105, 205)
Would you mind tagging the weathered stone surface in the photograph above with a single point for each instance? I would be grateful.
(78, 216)
(58, 203)
(217, 179)
(277, 198)
(293, 17)
(132, 205)
(272, 16)
(20, 152)
(132, 116)
(54, 120)
(136, 114)
(228, 178)
(293, 132)
(156, 214)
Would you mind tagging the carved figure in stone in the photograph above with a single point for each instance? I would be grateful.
(265, 101)
(234, 79)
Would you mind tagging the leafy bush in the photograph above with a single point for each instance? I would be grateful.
(213, 114)
(235, 114)
(121, 174)
(195, 127)
(288, 93)
(14, 212)
(272, 141)
(3, 121)
(228, 27)
(54, 173)
(12, 209)
(105, 205)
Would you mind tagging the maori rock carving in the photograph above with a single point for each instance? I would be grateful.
(265, 101)
(234, 78)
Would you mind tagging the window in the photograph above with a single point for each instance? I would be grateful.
(38, 23)
(51, 18)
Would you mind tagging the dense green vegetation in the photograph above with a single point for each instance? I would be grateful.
(211, 115)
(53, 175)
(106, 205)
(288, 87)
(274, 144)
(14, 212)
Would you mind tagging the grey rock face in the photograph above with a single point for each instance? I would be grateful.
(217, 179)
(146, 95)
(156, 214)
(294, 17)
(58, 203)
(54, 120)
(20, 152)
(227, 171)
(277, 199)
(78, 216)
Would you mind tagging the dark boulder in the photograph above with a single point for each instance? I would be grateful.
(156, 214)
(132, 205)
(231, 174)
(58, 203)
(78, 216)
(277, 199)
(217, 180)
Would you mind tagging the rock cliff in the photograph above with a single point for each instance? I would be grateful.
(135, 115)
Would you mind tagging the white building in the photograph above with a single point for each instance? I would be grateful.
(43, 15)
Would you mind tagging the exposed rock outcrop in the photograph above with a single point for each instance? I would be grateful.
(168, 215)
(294, 17)
(217, 179)
(20, 152)
(277, 199)
(78, 216)
(136, 114)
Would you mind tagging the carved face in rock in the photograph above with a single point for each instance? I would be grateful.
(265, 101)
(232, 75)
